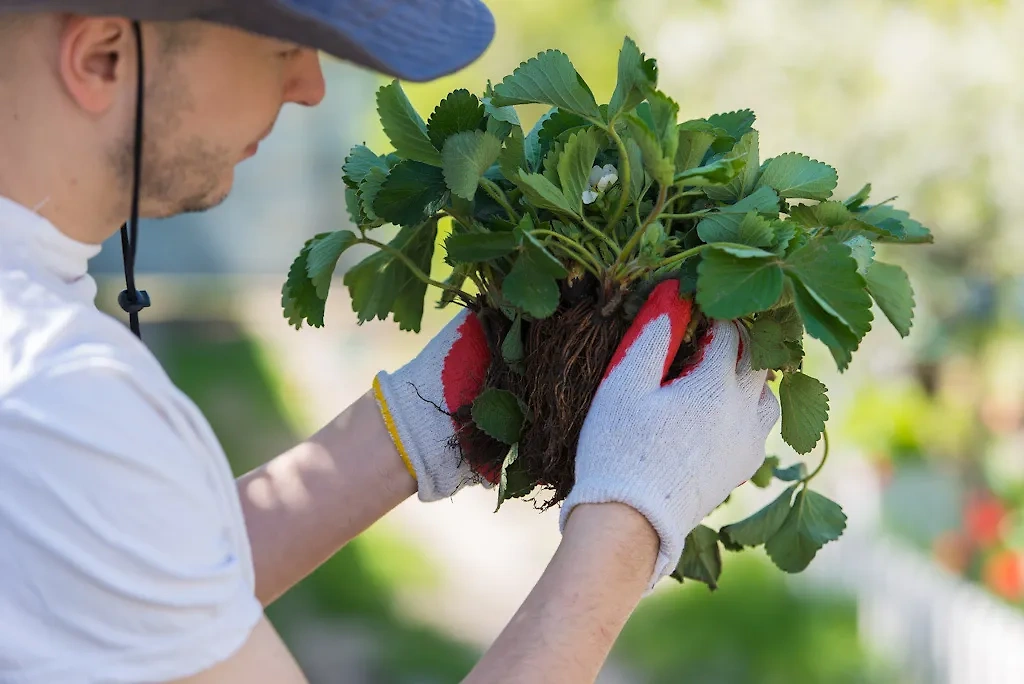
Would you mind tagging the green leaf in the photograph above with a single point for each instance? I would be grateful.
(695, 139)
(505, 114)
(657, 165)
(804, 411)
(465, 158)
(891, 289)
(737, 124)
(637, 76)
(813, 521)
(355, 209)
(755, 231)
(795, 175)
(299, 298)
(761, 526)
(512, 346)
(404, 127)
(822, 325)
(550, 167)
(743, 183)
(702, 558)
(763, 477)
(548, 78)
(726, 221)
(558, 126)
(382, 284)
(408, 192)
(498, 414)
(460, 111)
(828, 271)
(913, 231)
(574, 167)
(854, 202)
(514, 482)
(720, 172)
(793, 473)
(784, 232)
(368, 190)
(728, 226)
(513, 156)
(477, 247)
(768, 348)
(862, 251)
(543, 259)
(729, 286)
(529, 287)
(323, 258)
(664, 114)
(542, 193)
(358, 163)
(532, 145)
(636, 178)
(826, 214)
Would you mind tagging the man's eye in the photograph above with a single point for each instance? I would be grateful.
(290, 54)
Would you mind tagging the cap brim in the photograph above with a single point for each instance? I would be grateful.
(413, 40)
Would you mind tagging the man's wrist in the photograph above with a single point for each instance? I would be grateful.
(381, 441)
(613, 535)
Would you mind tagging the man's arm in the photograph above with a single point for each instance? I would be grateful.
(263, 658)
(307, 503)
(567, 625)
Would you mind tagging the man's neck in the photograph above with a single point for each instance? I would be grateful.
(71, 203)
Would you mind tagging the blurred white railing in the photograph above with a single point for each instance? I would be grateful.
(933, 626)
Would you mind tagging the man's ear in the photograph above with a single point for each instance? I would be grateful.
(96, 60)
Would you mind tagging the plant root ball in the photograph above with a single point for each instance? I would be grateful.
(566, 356)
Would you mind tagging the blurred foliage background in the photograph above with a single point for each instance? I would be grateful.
(922, 98)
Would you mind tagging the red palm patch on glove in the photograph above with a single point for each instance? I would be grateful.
(464, 373)
(664, 300)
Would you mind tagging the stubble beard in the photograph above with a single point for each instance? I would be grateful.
(180, 175)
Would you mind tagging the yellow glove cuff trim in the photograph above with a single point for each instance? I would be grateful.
(389, 423)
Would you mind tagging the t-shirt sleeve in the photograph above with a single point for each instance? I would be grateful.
(116, 559)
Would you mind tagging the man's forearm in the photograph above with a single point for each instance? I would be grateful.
(565, 629)
(307, 503)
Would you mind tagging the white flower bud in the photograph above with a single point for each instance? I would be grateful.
(589, 196)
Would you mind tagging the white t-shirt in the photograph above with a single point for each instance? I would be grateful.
(123, 550)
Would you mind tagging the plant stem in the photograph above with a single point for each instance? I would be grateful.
(625, 176)
(416, 270)
(686, 193)
(495, 191)
(692, 214)
(577, 251)
(682, 256)
(600, 234)
(577, 257)
(821, 465)
(634, 240)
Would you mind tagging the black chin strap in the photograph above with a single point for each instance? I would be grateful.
(132, 300)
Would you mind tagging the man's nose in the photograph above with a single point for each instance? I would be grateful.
(306, 85)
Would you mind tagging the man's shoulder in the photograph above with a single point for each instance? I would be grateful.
(43, 330)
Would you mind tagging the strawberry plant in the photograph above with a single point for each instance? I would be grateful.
(558, 234)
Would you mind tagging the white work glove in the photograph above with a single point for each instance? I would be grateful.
(673, 451)
(418, 400)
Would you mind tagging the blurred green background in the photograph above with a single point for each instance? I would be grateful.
(923, 98)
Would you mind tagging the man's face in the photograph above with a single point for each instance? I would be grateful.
(213, 93)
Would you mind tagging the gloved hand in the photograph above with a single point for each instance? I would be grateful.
(418, 400)
(673, 451)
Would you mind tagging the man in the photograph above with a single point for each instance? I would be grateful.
(128, 552)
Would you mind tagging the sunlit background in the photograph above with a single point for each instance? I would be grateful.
(923, 98)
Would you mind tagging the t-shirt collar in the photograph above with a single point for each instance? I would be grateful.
(64, 257)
